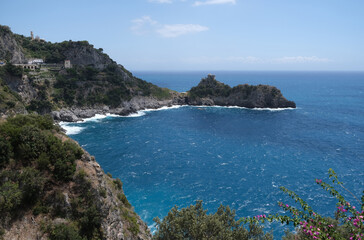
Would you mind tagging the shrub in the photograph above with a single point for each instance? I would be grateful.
(124, 200)
(118, 184)
(193, 222)
(32, 143)
(10, 197)
(43, 161)
(5, 151)
(31, 183)
(64, 232)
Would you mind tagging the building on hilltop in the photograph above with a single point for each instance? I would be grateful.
(67, 64)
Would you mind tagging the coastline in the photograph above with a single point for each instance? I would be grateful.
(72, 130)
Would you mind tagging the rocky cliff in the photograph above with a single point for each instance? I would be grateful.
(10, 50)
(50, 188)
(212, 92)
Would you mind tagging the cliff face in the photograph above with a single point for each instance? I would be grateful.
(9, 47)
(82, 53)
(211, 92)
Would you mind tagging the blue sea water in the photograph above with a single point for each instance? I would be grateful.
(233, 156)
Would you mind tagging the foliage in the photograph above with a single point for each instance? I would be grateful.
(131, 218)
(13, 70)
(349, 223)
(31, 183)
(209, 87)
(5, 151)
(40, 106)
(63, 232)
(10, 197)
(31, 155)
(193, 222)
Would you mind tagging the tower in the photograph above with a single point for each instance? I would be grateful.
(31, 35)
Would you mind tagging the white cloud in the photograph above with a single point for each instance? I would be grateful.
(175, 30)
(143, 25)
(160, 1)
(146, 25)
(214, 2)
(301, 59)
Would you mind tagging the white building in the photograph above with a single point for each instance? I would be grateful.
(67, 64)
(35, 61)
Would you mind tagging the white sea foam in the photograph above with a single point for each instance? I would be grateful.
(71, 130)
(254, 109)
(137, 114)
(143, 112)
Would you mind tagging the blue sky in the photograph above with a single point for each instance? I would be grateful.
(203, 34)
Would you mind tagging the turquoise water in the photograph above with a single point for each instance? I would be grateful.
(233, 156)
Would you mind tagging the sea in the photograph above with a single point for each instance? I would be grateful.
(235, 156)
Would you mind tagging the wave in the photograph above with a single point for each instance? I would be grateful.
(71, 130)
(253, 109)
(144, 111)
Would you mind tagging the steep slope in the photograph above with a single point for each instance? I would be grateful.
(10, 50)
(51, 188)
(212, 92)
(94, 83)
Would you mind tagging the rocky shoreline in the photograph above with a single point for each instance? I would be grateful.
(75, 114)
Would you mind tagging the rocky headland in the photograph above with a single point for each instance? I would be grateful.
(95, 84)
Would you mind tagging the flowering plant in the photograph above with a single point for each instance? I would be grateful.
(349, 222)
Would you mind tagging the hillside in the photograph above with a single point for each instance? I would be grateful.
(94, 80)
(50, 188)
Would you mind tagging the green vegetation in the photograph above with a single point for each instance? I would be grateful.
(193, 222)
(209, 87)
(9, 100)
(88, 86)
(33, 157)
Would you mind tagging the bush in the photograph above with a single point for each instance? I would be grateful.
(10, 197)
(32, 142)
(118, 184)
(5, 151)
(14, 70)
(193, 222)
(43, 161)
(64, 232)
(31, 183)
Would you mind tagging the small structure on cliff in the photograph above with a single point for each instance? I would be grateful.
(35, 61)
(67, 64)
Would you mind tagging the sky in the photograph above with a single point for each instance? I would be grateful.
(179, 35)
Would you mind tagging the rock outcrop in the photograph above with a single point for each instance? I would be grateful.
(9, 47)
(212, 92)
(84, 54)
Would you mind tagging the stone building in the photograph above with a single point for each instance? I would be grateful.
(67, 64)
